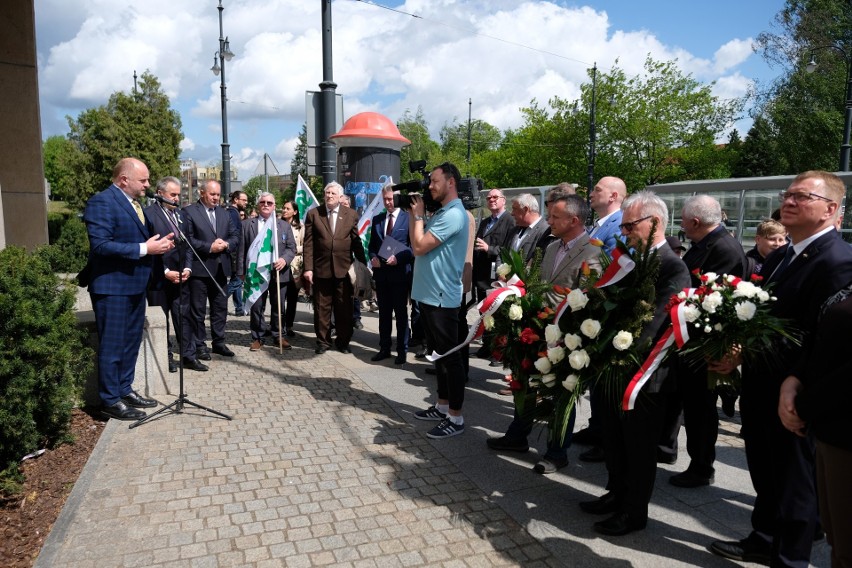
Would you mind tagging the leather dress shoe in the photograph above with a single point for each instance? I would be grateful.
(290, 332)
(750, 549)
(120, 411)
(546, 466)
(380, 356)
(203, 355)
(667, 458)
(223, 351)
(690, 479)
(620, 524)
(256, 345)
(285, 345)
(586, 437)
(595, 454)
(344, 350)
(400, 359)
(321, 349)
(604, 505)
(506, 444)
(194, 364)
(136, 400)
(173, 366)
(358, 324)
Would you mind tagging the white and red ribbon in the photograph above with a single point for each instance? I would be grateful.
(622, 264)
(492, 302)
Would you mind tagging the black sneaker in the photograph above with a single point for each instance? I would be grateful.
(430, 413)
(446, 429)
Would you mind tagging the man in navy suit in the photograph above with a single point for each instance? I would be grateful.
(120, 258)
(171, 268)
(490, 236)
(392, 274)
(816, 264)
(286, 254)
(212, 234)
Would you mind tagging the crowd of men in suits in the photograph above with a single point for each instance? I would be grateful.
(798, 454)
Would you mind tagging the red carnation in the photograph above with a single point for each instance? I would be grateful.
(529, 337)
(526, 364)
(515, 385)
(501, 341)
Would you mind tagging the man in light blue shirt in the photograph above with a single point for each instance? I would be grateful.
(439, 249)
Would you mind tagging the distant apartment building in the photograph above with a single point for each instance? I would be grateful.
(191, 175)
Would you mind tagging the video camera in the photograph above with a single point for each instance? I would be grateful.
(468, 190)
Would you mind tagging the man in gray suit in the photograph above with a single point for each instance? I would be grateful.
(286, 253)
(561, 266)
(530, 230)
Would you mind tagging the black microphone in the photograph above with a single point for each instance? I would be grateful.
(161, 199)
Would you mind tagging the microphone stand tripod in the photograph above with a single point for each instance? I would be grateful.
(177, 406)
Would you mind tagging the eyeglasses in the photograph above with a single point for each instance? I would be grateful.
(801, 197)
(629, 226)
(266, 203)
(494, 197)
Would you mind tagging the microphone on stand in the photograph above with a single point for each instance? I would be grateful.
(161, 199)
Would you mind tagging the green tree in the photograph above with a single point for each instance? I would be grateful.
(484, 139)
(660, 126)
(415, 128)
(806, 110)
(759, 152)
(57, 151)
(140, 124)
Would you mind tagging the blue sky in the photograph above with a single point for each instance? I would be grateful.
(384, 60)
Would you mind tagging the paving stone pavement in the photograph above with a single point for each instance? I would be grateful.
(324, 465)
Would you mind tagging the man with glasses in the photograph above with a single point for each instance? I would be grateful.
(279, 276)
(803, 274)
(331, 238)
(630, 437)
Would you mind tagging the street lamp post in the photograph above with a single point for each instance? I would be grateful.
(847, 127)
(592, 134)
(224, 54)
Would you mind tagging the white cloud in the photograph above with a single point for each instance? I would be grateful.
(187, 145)
(732, 54)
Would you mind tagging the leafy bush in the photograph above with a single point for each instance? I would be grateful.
(69, 246)
(43, 357)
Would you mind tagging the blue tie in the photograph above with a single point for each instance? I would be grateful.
(788, 258)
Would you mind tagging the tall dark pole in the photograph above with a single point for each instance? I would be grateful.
(845, 146)
(328, 154)
(224, 54)
(469, 107)
(592, 134)
(134, 81)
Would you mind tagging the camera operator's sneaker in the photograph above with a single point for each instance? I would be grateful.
(430, 413)
(446, 429)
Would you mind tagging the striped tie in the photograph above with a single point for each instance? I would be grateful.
(138, 210)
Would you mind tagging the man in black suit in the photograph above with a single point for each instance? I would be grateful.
(212, 234)
(392, 275)
(815, 265)
(490, 236)
(713, 250)
(630, 437)
(170, 268)
(238, 200)
(531, 230)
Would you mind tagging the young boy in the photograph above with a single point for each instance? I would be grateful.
(770, 236)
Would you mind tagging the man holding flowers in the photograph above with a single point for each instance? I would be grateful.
(630, 437)
(561, 267)
(815, 265)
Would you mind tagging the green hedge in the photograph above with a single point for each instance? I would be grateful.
(69, 243)
(43, 357)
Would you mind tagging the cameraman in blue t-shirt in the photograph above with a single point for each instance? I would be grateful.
(439, 247)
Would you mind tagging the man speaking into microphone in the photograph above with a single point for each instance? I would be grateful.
(121, 251)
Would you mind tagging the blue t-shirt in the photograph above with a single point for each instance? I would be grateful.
(438, 273)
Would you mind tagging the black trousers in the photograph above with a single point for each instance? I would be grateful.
(630, 444)
(441, 326)
(178, 316)
(257, 323)
(203, 291)
(392, 298)
(781, 466)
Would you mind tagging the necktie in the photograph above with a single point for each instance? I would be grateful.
(173, 218)
(333, 220)
(788, 258)
(138, 211)
(389, 224)
(212, 214)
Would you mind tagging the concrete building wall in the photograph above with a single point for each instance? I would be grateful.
(22, 205)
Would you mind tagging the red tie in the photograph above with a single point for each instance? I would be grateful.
(389, 224)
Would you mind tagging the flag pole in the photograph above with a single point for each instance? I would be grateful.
(277, 278)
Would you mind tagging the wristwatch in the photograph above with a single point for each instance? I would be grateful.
(420, 218)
